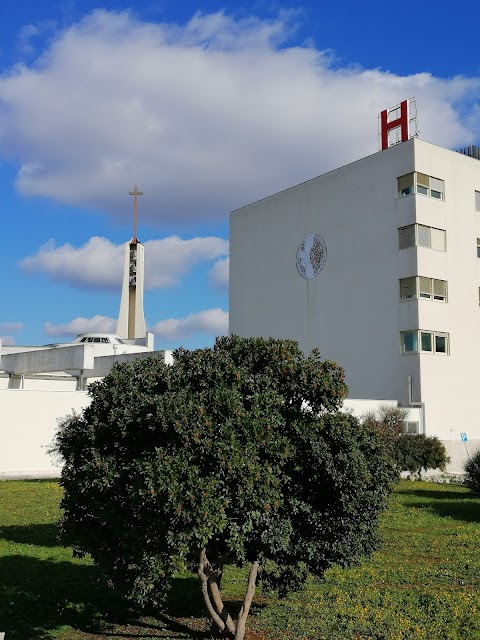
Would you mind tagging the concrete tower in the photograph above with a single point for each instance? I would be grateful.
(131, 319)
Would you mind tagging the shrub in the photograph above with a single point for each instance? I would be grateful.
(236, 454)
(388, 422)
(472, 471)
(415, 453)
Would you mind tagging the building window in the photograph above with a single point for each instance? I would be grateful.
(478, 247)
(477, 200)
(422, 236)
(421, 183)
(406, 237)
(440, 343)
(409, 341)
(426, 341)
(410, 428)
(424, 288)
(437, 188)
(439, 290)
(406, 185)
(419, 341)
(408, 288)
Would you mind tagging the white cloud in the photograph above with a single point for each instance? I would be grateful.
(210, 321)
(97, 324)
(30, 35)
(7, 328)
(10, 327)
(219, 274)
(204, 117)
(168, 259)
(99, 263)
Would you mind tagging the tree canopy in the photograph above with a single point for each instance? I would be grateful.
(234, 454)
(418, 452)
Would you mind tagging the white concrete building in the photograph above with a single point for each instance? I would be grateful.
(378, 265)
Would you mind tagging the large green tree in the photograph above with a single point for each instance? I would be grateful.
(234, 454)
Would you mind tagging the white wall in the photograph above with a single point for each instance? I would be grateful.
(350, 311)
(28, 421)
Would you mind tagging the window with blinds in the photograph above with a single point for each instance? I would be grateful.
(439, 290)
(422, 236)
(408, 288)
(421, 183)
(437, 188)
(438, 239)
(406, 184)
(424, 288)
(477, 200)
(406, 237)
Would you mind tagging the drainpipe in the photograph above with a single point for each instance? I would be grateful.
(411, 403)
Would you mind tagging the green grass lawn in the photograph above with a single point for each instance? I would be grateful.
(424, 583)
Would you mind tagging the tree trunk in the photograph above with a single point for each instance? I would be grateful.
(202, 567)
(212, 598)
(247, 601)
(209, 580)
(218, 603)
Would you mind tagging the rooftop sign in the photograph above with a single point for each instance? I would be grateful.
(397, 124)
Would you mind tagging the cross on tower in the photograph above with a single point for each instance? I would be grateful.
(135, 195)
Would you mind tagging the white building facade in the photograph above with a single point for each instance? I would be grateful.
(378, 265)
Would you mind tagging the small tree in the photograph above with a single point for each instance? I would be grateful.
(415, 453)
(472, 471)
(235, 454)
(389, 422)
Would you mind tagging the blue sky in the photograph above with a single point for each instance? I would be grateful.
(206, 106)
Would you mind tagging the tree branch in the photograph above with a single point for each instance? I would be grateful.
(202, 565)
(247, 601)
(217, 599)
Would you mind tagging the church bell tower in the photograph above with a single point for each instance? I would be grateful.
(131, 319)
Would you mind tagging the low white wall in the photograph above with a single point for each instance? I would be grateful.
(360, 407)
(459, 453)
(29, 417)
(28, 422)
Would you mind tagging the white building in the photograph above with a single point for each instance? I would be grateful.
(378, 265)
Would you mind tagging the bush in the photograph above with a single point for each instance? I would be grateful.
(415, 453)
(472, 471)
(388, 422)
(236, 454)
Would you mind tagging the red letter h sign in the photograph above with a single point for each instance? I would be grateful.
(401, 122)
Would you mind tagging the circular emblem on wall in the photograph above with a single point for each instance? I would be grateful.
(311, 256)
